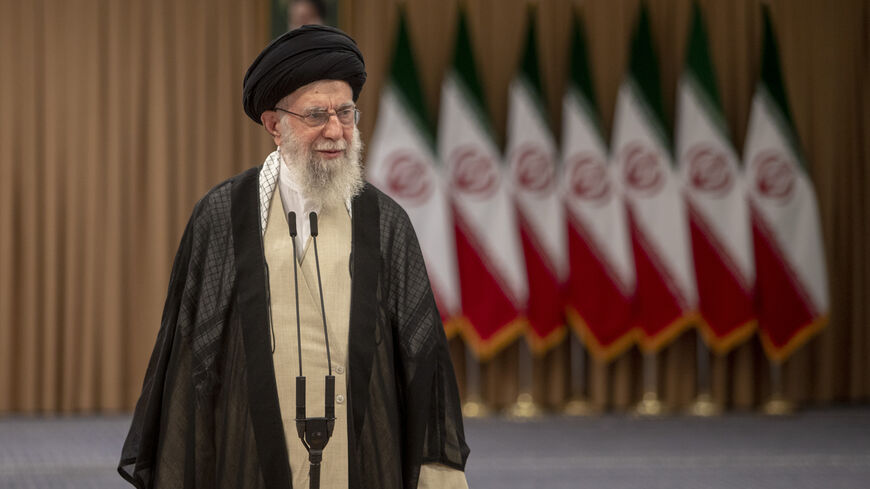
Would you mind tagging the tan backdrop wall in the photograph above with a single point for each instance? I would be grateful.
(116, 116)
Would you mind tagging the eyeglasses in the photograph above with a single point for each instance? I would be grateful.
(347, 117)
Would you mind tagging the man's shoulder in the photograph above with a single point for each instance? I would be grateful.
(390, 210)
(217, 199)
(394, 222)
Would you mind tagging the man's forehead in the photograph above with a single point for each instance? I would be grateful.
(321, 92)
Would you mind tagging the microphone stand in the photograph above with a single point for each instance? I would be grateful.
(313, 432)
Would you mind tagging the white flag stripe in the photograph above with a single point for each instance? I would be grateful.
(601, 209)
(715, 184)
(785, 198)
(466, 148)
(401, 164)
(654, 190)
(532, 155)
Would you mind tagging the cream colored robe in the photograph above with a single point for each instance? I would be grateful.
(334, 254)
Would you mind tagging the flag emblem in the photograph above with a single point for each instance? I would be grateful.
(589, 180)
(409, 177)
(474, 173)
(402, 162)
(643, 171)
(534, 170)
(774, 176)
(709, 171)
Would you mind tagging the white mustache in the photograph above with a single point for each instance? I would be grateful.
(331, 146)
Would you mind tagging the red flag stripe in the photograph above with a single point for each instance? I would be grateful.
(546, 295)
(786, 315)
(598, 309)
(490, 320)
(662, 311)
(725, 303)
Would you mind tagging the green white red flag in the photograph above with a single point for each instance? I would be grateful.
(792, 281)
(641, 152)
(531, 154)
(717, 201)
(402, 163)
(491, 269)
(601, 282)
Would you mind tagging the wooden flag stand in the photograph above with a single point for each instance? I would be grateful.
(579, 404)
(704, 405)
(474, 407)
(525, 407)
(777, 404)
(650, 404)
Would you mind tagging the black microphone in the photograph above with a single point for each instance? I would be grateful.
(300, 380)
(314, 432)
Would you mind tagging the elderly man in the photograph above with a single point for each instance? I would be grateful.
(242, 321)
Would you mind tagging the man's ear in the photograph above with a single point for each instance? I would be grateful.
(270, 120)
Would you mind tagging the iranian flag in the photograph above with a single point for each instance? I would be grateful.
(491, 270)
(792, 278)
(641, 153)
(716, 197)
(531, 153)
(601, 282)
(402, 163)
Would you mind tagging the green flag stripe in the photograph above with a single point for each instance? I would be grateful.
(465, 74)
(530, 74)
(463, 62)
(529, 66)
(406, 82)
(643, 66)
(650, 116)
(698, 61)
(581, 75)
(774, 87)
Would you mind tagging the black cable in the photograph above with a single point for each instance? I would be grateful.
(313, 220)
(291, 223)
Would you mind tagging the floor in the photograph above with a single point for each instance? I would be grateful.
(827, 448)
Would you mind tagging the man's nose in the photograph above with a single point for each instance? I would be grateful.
(332, 129)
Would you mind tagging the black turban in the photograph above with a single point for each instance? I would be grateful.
(297, 58)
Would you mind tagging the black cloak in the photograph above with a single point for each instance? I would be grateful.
(209, 415)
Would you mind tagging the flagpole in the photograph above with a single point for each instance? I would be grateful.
(777, 404)
(704, 405)
(525, 406)
(579, 404)
(474, 406)
(650, 404)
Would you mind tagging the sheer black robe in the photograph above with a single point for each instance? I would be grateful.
(208, 415)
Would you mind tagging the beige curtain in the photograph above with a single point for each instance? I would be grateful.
(116, 116)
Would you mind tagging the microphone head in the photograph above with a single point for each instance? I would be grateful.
(313, 218)
(291, 222)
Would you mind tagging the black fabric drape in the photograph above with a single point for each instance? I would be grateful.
(209, 413)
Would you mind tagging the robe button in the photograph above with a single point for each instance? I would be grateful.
(339, 369)
(339, 399)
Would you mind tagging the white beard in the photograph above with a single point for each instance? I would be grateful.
(324, 182)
